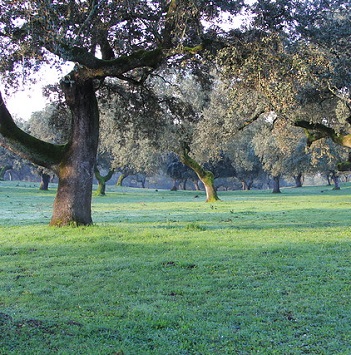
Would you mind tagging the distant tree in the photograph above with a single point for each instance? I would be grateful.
(222, 166)
(3, 170)
(6, 162)
(279, 149)
(247, 164)
(102, 180)
(184, 97)
(180, 174)
(325, 159)
(45, 179)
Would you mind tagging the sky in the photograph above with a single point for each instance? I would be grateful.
(24, 102)
(29, 98)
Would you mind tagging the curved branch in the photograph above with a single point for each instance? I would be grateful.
(100, 68)
(23, 144)
(316, 131)
(206, 176)
(106, 177)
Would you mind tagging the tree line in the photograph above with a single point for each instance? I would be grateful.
(165, 76)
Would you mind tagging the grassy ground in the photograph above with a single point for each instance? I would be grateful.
(165, 273)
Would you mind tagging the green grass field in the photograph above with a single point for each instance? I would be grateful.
(163, 272)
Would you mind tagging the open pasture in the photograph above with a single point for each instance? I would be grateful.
(164, 272)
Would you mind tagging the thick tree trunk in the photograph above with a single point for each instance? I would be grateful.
(206, 177)
(72, 204)
(276, 185)
(44, 184)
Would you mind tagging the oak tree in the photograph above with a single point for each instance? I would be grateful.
(125, 40)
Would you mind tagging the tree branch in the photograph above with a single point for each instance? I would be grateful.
(255, 116)
(316, 131)
(96, 68)
(23, 144)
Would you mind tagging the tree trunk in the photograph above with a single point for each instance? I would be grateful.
(72, 205)
(175, 185)
(196, 185)
(328, 177)
(298, 180)
(3, 171)
(276, 185)
(101, 190)
(336, 180)
(206, 177)
(120, 179)
(142, 179)
(44, 184)
(244, 185)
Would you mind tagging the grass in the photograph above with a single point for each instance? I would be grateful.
(165, 273)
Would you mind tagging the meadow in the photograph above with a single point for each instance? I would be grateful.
(163, 272)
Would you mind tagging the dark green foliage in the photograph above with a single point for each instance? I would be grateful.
(344, 166)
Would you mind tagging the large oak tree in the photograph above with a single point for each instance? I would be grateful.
(124, 39)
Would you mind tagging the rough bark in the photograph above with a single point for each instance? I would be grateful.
(206, 176)
(72, 204)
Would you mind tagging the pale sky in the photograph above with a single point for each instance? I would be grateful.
(29, 98)
(24, 102)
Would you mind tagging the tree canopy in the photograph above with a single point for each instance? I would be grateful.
(292, 58)
(125, 40)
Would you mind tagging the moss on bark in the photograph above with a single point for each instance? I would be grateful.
(206, 176)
